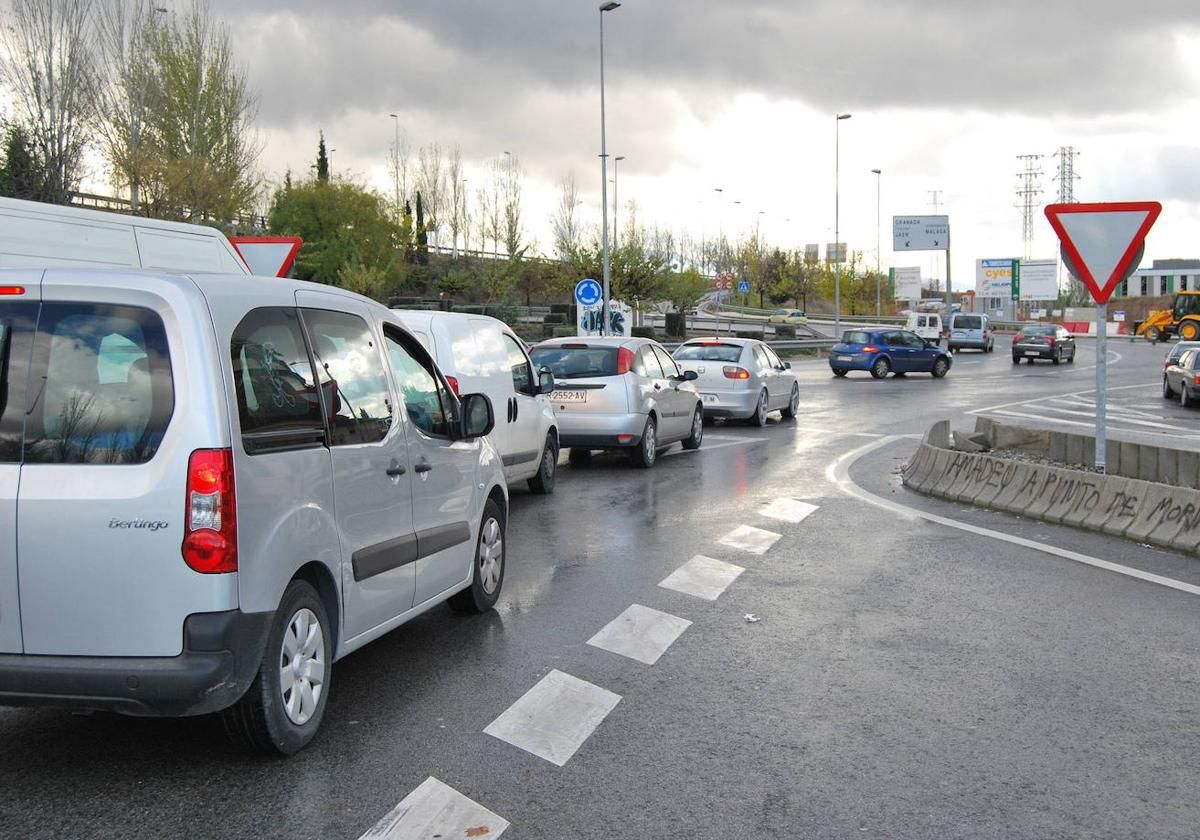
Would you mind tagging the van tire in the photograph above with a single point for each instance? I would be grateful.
(543, 481)
(487, 577)
(259, 722)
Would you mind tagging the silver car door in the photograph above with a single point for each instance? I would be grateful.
(651, 383)
(682, 399)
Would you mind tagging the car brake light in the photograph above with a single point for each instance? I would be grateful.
(452, 381)
(624, 438)
(735, 372)
(870, 348)
(1018, 337)
(210, 516)
(12, 290)
(1050, 340)
(1196, 380)
(710, 344)
(624, 360)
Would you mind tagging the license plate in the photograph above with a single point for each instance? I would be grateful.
(845, 358)
(568, 396)
(709, 398)
(1032, 353)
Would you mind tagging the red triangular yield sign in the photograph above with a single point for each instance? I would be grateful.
(267, 256)
(1101, 242)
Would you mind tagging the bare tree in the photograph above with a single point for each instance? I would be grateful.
(509, 178)
(51, 75)
(399, 161)
(568, 232)
(486, 228)
(458, 196)
(431, 182)
(123, 103)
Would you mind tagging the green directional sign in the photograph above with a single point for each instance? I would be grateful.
(1016, 279)
(892, 283)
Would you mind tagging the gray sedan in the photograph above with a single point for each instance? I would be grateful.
(740, 378)
(620, 393)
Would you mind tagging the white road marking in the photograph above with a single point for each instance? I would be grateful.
(751, 539)
(435, 809)
(705, 448)
(640, 633)
(555, 717)
(702, 577)
(838, 472)
(788, 510)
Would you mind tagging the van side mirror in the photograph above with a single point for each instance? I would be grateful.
(477, 417)
(545, 381)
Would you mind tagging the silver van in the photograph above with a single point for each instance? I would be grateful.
(970, 329)
(214, 487)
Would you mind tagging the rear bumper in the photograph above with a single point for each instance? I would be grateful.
(852, 361)
(1040, 351)
(222, 654)
(737, 405)
(970, 343)
(600, 431)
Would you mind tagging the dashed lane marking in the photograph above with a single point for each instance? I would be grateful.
(702, 577)
(640, 633)
(555, 717)
(435, 809)
(838, 472)
(788, 510)
(751, 539)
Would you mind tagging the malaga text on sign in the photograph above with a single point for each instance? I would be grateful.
(920, 233)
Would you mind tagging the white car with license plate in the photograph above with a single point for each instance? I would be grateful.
(620, 393)
(740, 378)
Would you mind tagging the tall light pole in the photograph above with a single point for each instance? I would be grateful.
(878, 193)
(604, 7)
(330, 155)
(396, 162)
(837, 246)
(616, 201)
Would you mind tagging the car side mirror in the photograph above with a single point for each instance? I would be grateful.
(477, 417)
(787, 365)
(545, 381)
(690, 376)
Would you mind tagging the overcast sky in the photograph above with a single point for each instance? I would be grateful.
(742, 95)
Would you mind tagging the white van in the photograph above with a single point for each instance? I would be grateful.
(928, 325)
(37, 235)
(482, 355)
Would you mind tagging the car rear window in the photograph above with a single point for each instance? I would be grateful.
(968, 322)
(710, 352)
(1040, 329)
(107, 394)
(856, 337)
(575, 360)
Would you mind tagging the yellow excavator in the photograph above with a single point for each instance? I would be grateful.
(1182, 319)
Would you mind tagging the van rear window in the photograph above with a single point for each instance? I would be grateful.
(17, 323)
(104, 392)
(968, 322)
(576, 360)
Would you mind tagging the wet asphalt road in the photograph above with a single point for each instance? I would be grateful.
(905, 679)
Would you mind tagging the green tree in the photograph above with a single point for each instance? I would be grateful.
(22, 175)
(422, 233)
(322, 159)
(686, 289)
(349, 234)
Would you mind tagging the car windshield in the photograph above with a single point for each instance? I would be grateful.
(567, 361)
(856, 337)
(708, 352)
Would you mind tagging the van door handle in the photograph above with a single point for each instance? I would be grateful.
(395, 470)
(423, 466)
(516, 404)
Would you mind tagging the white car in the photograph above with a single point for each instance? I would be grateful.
(482, 355)
(740, 378)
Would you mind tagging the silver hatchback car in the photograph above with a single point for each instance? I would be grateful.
(740, 378)
(620, 393)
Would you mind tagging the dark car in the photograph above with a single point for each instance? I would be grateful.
(1043, 341)
(884, 351)
(1182, 379)
(1177, 350)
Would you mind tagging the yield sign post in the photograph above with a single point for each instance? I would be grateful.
(1101, 245)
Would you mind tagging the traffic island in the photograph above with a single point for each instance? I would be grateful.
(1150, 496)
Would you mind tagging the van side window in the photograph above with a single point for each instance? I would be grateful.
(277, 399)
(17, 322)
(518, 364)
(429, 404)
(353, 380)
(107, 394)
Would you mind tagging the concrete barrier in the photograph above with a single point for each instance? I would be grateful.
(1148, 511)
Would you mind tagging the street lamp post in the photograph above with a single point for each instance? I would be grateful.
(837, 246)
(878, 298)
(616, 201)
(604, 7)
(396, 162)
(329, 154)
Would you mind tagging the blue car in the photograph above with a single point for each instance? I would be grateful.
(884, 351)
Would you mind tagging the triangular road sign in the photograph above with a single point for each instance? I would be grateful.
(1101, 242)
(267, 256)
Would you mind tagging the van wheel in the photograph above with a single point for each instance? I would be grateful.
(646, 452)
(694, 440)
(790, 410)
(283, 707)
(488, 576)
(881, 368)
(543, 481)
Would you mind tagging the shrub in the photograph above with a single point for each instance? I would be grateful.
(785, 331)
(555, 318)
(750, 334)
(643, 332)
(676, 324)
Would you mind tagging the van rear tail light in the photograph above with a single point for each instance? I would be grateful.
(210, 523)
(735, 372)
(12, 290)
(624, 360)
(452, 381)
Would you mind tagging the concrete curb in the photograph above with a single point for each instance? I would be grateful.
(1149, 512)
